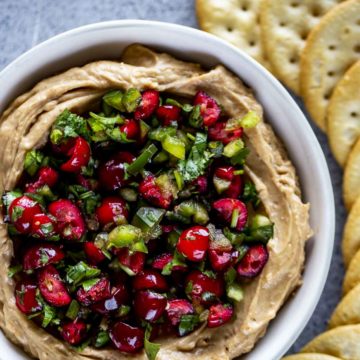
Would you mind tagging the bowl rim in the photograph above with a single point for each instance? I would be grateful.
(329, 211)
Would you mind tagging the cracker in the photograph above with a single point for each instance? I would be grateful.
(312, 356)
(285, 25)
(351, 237)
(331, 48)
(351, 181)
(343, 342)
(236, 21)
(343, 118)
(352, 275)
(347, 311)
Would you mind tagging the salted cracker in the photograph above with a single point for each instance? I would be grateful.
(285, 26)
(236, 21)
(331, 48)
(343, 118)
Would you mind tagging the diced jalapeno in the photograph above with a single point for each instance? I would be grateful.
(128, 236)
(139, 163)
(174, 146)
(147, 220)
(233, 148)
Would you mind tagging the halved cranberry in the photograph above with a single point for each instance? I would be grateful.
(119, 296)
(46, 176)
(161, 261)
(218, 132)
(52, 288)
(149, 102)
(98, 292)
(25, 295)
(149, 279)
(93, 253)
(112, 173)
(149, 305)
(194, 243)
(201, 184)
(209, 108)
(176, 308)
(224, 209)
(154, 194)
(253, 262)
(70, 223)
(74, 332)
(131, 129)
(79, 156)
(135, 262)
(219, 314)
(167, 114)
(43, 226)
(21, 212)
(199, 283)
(127, 338)
(40, 255)
(221, 260)
(112, 210)
(236, 184)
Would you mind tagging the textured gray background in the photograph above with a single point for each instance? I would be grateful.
(25, 23)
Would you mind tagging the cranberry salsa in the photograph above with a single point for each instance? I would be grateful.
(136, 221)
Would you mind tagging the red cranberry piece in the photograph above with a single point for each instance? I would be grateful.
(218, 132)
(46, 176)
(131, 129)
(253, 262)
(40, 255)
(98, 292)
(194, 243)
(154, 194)
(219, 314)
(119, 296)
(201, 184)
(93, 253)
(43, 226)
(209, 108)
(199, 283)
(176, 308)
(112, 210)
(149, 305)
(70, 223)
(135, 262)
(224, 209)
(52, 288)
(112, 174)
(167, 114)
(21, 212)
(74, 332)
(236, 184)
(79, 156)
(161, 261)
(127, 338)
(221, 260)
(149, 102)
(149, 279)
(25, 295)
(89, 184)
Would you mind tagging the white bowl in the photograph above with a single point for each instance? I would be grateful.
(107, 40)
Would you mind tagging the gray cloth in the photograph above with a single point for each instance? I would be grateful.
(25, 23)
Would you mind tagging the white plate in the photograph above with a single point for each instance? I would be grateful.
(107, 40)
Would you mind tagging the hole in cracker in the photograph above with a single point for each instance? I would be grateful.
(316, 11)
(282, 24)
(244, 7)
(229, 29)
(346, 30)
(327, 96)
(331, 73)
(357, 48)
(304, 34)
(293, 60)
(294, 4)
(353, 114)
(358, 22)
(252, 43)
(332, 47)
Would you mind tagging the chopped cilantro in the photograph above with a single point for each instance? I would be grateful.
(151, 349)
(80, 272)
(188, 323)
(33, 161)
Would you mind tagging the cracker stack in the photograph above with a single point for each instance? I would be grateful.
(313, 47)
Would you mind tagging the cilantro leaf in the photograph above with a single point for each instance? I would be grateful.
(75, 274)
(33, 161)
(188, 323)
(151, 349)
(250, 194)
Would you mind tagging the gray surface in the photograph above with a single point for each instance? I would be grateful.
(25, 23)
